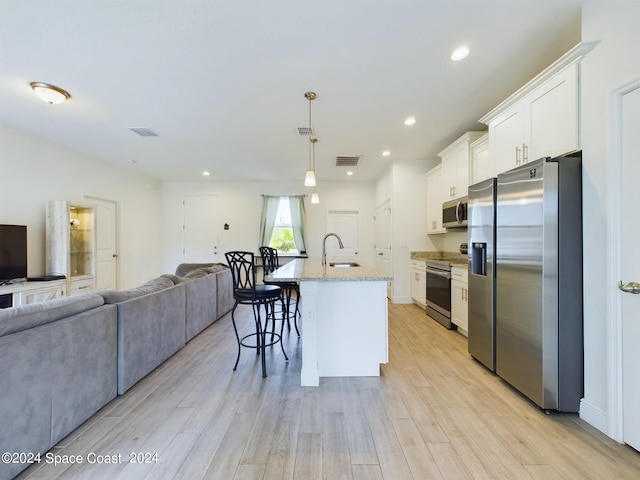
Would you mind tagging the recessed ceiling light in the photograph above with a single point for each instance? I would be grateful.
(386, 153)
(459, 53)
(349, 172)
(410, 121)
(205, 173)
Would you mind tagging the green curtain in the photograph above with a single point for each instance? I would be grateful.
(298, 221)
(268, 220)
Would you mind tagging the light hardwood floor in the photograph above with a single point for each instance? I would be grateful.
(434, 413)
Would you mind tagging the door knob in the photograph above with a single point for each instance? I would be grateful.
(115, 255)
(631, 287)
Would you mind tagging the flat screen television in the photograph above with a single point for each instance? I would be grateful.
(13, 252)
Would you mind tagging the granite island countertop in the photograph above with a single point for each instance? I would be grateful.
(305, 269)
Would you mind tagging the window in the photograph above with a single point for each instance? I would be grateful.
(282, 236)
(282, 224)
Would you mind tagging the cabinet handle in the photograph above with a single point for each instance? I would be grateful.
(525, 153)
(517, 155)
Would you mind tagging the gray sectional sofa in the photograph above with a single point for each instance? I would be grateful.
(59, 367)
(64, 359)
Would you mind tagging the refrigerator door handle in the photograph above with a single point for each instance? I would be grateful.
(631, 287)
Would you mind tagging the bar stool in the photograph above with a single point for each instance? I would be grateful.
(246, 292)
(269, 263)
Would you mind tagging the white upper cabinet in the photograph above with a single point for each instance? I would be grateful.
(481, 165)
(554, 116)
(455, 166)
(434, 197)
(542, 119)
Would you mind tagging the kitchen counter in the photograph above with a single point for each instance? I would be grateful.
(344, 319)
(453, 257)
(460, 264)
(301, 269)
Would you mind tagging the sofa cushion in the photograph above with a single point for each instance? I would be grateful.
(197, 273)
(23, 317)
(154, 285)
(185, 268)
(174, 278)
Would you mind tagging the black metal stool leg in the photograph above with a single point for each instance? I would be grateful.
(235, 329)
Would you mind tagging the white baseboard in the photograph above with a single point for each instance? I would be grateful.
(401, 299)
(594, 416)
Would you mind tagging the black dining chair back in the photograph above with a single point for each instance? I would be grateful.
(270, 262)
(245, 291)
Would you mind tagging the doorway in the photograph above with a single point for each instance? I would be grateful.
(106, 218)
(382, 242)
(625, 320)
(200, 229)
(346, 223)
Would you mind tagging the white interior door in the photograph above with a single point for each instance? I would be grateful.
(106, 214)
(200, 229)
(382, 246)
(347, 225)
(630, 271)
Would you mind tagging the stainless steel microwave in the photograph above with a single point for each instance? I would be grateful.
(454, 213)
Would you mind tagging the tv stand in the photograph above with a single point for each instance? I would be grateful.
(46, 278)
(23, 293)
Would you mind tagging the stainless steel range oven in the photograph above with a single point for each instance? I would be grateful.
(439, 292)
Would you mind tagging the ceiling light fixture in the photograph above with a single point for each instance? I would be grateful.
(349, 173)
(315, 199)
(410, 121)
(310, 175)
(386, 153)
(205, 173)
(459, 53)
(50, 93)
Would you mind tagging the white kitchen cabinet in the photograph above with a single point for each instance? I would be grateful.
(70, 242)
(460, 299)
(434, 199)
(482, 167)
(455, 166)
(419, 282)
(542, 119)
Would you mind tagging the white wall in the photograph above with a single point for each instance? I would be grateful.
(240, 204)
(613, 62)
(34, 171)
(403, 182)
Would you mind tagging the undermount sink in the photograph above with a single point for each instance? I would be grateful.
(344, 264)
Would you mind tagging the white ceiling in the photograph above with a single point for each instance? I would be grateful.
(222, 82)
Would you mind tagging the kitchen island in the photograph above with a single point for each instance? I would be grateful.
(344, 318)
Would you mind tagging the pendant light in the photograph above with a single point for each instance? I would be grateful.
(315, 199)
(310, 175)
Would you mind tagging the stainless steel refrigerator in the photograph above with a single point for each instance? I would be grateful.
(481, 244)
(539, 342)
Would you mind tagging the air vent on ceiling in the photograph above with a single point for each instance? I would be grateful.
(348, 160)
(305, 131)
(144, 132)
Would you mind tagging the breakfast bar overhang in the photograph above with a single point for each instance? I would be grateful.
(344, 318)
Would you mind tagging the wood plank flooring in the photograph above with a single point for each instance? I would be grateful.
(435, 413)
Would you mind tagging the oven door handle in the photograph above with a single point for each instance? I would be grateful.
(438, 273)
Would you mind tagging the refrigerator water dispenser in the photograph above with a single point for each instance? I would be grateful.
(479, 258)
